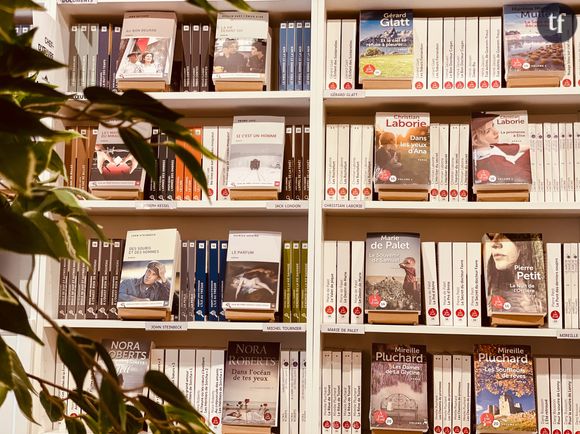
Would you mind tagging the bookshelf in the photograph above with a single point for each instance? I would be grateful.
(316, 219)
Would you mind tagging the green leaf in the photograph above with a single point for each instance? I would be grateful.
(6, 380)
(91, 423)
(152, 408)
(6, 296)
(163, 387)
(134, 416)
(241, 5)
(140, 149)
(17, 162)
(87, 402)
(78, 241)
(54, 232)
(70, 354)
(87, 221)
(192, 165)
(56, 164)
(15, 120)
(111, 406)
(20, 235)
(18, 370)
(142, 102)
(190, 418)
(13, 318)
(75, 426)
(3, 394)
(24, 400)
(105, 358)
(10, 6)
(53, 406)
(10, 85)
(21, 59)
(67, 198)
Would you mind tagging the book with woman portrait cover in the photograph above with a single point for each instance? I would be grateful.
(505, 397)
(399, 398)
(402, 151)
(147, 45)
(393, 272)
(252, 279)
(500, 151)
(150, 265)
(131, 360)
(251, 384)
(515, 280)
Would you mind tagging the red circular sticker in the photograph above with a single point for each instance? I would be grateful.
(465, 430)
(355, 191)
(484, 84)
(267, 416)
(419, 85)
(544, 431)
(517, 62)
(332, 85)
(342, 310)
(434, 85)
(356, 425)
(460, 313)
(566, 82)
(463, 193)
(472, 84)
(555, 315)
(474, 313)
(225, 192)
(326, 424)
(443, 193)
(446, 430)
(432, 312)
(210, 192)
(497, 301)
(374, 300)
(486, 419)
(446, 313)
(367, 191)
(380, 416)
(459, 85)
(384, 175)
(215, 420)
(453, 193)
(448, 85)
(434, 192)
(456, 429)
(437, 429)
(331, 191)
(483, 175)
(557, 431)
(329, 310)
(369, 69)
(348, 85)
(357, 310)
(342, 191)
(567, 431)
(346, 424)
(495, 84)
(336, 424)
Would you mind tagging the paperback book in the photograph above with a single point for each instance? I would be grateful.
(131, 360)
(251, 384)
(399, 388)
(392, 272)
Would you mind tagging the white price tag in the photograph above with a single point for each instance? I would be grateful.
(348, 329)
(154, 204)
(350, 204)
(355, 93)
(568, 334)
(273, 327)
(287, 204)
(76, 2)
(166, 326)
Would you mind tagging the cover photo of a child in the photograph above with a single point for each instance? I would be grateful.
(141, 57)
(240, 56)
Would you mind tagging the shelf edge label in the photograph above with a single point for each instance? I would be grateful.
(296, 328)
(166, 326)
(356, 93)
(286, 204)
(568, 334)
(76, 2)
(348, 329)
(156, 204)
(351, 204)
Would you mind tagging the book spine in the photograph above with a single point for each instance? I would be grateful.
(368, 145)
(355, 180)
(302, 400)
(568, 78)
(347, 54)
(459, 63)
(186, 68)
(444, 162)
(224, 137)
(434, 162)
(471, 52)
(463, 162)
(61, 378)
(434, 52)
(574, 284)
(104, 280)
(192, 283)
(288, 178)
(196, 188)
(569, 138)
(213, 284)
(419, 53)
(454, 159)
(543, 395)
(195, 84)
(171, 369)
(83, 50)
(216, 397)
(307, 55)
(447, 394)
(346, 411)
(306, 156)
(210, 166)
(170, 174)
(296, 282)
(336, 392)
(495, 52)
(331, 162)
(540, 176)
(114, 58)
(63, 288)
(179, 175)
(156, 363)
(459, 284)
(570, 311)
(284, 392)
(343, 282)
(291, 53)
(438, 393)
(577, 53)
(205, 38)
(484, 51)
(303, 281)
(329, 304)
(576, 145)
(555, 148)
(183, 287)
(466, 395)
(456, 388)
(162, 168)
(187, 374)
(343, 161)
(287, 282)
(93, 53)
(73, 60)
(200, 281)
(576, 394)
(298, 162)
(326, 392)
(554, 284)
(294, 391)
(448, 52)
(117, 247)
(556, 395)
(357, 276)
(332, 80)
(429, 263)
(202, 382)
(282, 58)
(548, 165)
(444, 274)
(356, 380)
(562, 151)
(567, 396)
(299, 70)
(103, 56)
(223, 255)
(73, 283)
(474, 284)
(93, 280)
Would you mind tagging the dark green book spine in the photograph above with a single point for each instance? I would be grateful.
(287, 282)
(296, 281)
(303, 280)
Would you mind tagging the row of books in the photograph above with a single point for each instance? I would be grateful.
(195, 44)
(341, 384)
(294, 56)
(294, 281)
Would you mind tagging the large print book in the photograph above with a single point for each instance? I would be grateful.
(393, 272)
(113, 167)
(150, 265)
(252, 279)
(131, 360)
(500, 151)
(256, 153)
(241, 47)
(147, 46)
(399, 388)
(402, 151)
(515, 279)
(386, 46)
(530, 58)
(251, 384)
(505, 398)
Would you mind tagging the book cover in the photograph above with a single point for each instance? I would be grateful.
(213, 284)
(505, 397)
(343, 161)
(346, 410)
(294, 391)
(336, 392)
(474, 284)
(437, 393)
(354, 178)
(357, 262)
(515, 280)
(434, 52)
(430, 282)
(131, 360)
(201, 260)
(287, 282)
(331, 162)
(284, 392)
(202, 382)
(251, 384)
(556, 394)
(554, 285)
(543, 394)
(348, 54)
(402, 150)
(291, 53)
(392, 272)
(445, 280)
(448, 52)
(329, 282)
(186, 374)
(386, 45)
(253, 270)
(484, 51)
(216, 390)
(420, 53)
(326, 386)
(332, 79)
(399, 387)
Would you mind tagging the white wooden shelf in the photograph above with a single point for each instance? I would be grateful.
(473, 7)
(195, 208)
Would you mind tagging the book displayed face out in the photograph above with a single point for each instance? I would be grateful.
(131, 360)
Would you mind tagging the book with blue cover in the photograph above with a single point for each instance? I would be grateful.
(200, 280)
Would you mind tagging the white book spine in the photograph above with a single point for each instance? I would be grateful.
(456, 388)
(570, 310)
(576, 128)
(444, 274)
(484, 51)
(156, 363)
(202, 373)
(356, 380)
(60, 379)
(444, 162)
(454, 159)
(355, 176)
(419, 53)
(216, 398)
(343, 282)
(472, 52)
(577, 53)
(540, 167)
(429, 261)
(543, 395)
(447, 395)
(466, 395)
(459, 64)
(329, 306)
(464, 158)
(294, 391)
(284, 392)
(331, 170)
(187, 374)
(434, 161)
(210, 142)
(569, 137)
(343, 161)
(567, 396)
(326, 392)
(474, 284)
(562, 152)
(332, 81)
(224, 138)
(172, 365)
(556, 395)
(555, 149)
(574, 271)
(336, 392)
(448, 52)
(576, 394)
(437, 393)
(459, 284)
(554, 284)
(495, 52)
(303, 412)
(348, 54)
(346, 392)
(72, 408)
(548, 182)
(368, 146)
(568, 78)
(357, 276)
(533, 163)
(435, 52)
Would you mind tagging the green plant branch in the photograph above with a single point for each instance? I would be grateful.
(30, 276)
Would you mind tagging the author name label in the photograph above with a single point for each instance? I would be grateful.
(156, 205)
(76, 2)
(351, 204)
(295, 328)
(359, 93)
(347, 329)
(166, 326)
(568, 334)
(274, 204)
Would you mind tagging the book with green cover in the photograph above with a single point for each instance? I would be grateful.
(296, 281)
(304, 280)
(287, 282)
